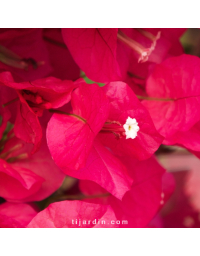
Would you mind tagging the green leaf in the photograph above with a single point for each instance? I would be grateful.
(88, 81)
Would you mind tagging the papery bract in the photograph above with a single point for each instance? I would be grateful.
(105, 169)
(17, 183)
(94, 50)
(27, 126)
(70, 137)
(142, 201)
(174, 85)
(124, 104)
(140, 204)
(189, 139)
(74, 214)
(16, 215)
(61, 60)
(107, 55)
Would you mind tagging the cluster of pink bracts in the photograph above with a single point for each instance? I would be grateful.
(104, 136)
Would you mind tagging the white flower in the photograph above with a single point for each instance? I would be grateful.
(131, 128)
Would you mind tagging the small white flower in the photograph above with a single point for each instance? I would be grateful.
(131, 128)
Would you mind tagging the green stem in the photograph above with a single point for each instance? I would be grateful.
(80, 197)
(10, 102)
(152, 98)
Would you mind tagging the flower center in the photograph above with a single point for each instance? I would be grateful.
(131, 128)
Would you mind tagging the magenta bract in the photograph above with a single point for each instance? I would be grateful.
(62, 63)
(105, 169)
(74, 214)
(175, 85)
(142, 201)
(124, 104)
(16, 215)
(94, 50)
(70, 137)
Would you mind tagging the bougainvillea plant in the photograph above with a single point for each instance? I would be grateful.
(86, 117)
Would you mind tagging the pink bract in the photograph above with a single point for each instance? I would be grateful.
(62, 63)
(17, 183)
(175, 84)
(94, 50)
(142, 201)
(109, 54)
(105, 169)
(124, 104)
(70, 137)
(65, 214)
(16, 215)
(189, 139)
